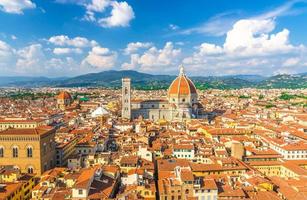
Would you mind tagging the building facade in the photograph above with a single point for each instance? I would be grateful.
(181, 102)
(20, 123)
(29, 150)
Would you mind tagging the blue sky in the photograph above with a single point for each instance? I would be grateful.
(71, 37)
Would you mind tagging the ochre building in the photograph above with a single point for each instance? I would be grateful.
(30, 150)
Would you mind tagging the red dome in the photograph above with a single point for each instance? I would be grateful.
(182, 85)
(64, 95)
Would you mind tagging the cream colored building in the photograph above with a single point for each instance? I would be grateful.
(181, 102)
(20, 123)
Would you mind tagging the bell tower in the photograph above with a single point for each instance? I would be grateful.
(126, 97)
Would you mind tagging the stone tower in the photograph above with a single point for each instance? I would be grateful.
(126, 97)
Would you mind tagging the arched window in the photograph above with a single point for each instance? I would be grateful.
(1, 152)
(15, 152)
(30, 170)
(29, 152)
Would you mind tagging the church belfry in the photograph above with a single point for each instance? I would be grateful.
(126, 98)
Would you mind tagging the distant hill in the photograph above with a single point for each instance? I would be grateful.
(28, 81)
(285, 81)
(112, 79)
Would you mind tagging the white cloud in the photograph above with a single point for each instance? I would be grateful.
(6, 57)
(98, 5)
(100, 58)
(133, 47)
(173, 26)
(5, 49)
(251, 37)
(209, 49)
(250, 46)
(221, 23)
(216, 26)
(13, 37)
(121, 15)
(155, 60)
(16, 6)
(291, 62)
(30, 58)
(60, 51)
(64, 40)
(134, 62)
(95, 6)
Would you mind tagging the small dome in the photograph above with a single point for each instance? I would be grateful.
(182, 85)
(64, 95)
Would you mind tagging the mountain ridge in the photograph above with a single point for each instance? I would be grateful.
(140, 80)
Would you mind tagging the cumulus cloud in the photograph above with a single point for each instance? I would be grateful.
(98, 5)
(30, 58)
(95, 6)
(133, 47)
(5, 49)
(16, 6)
(100, 58)
(250, 46)
(251, 37)
(64, 40)
(154, 59)
(121, 15)
(134, 62)
(61, 51)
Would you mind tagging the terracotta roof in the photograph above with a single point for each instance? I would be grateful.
(64, 95)
(182, 85)
(34, 131)
(186, 175)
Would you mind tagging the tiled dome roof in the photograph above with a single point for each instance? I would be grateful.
(182, 85)
(64, 95)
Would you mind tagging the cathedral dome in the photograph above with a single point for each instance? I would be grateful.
(64, 96)
(182, 85)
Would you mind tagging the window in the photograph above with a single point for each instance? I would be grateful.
(80, 192)
(29, 152)
(15, 152)
(30, 170)
(1, 152)
(183, 100)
